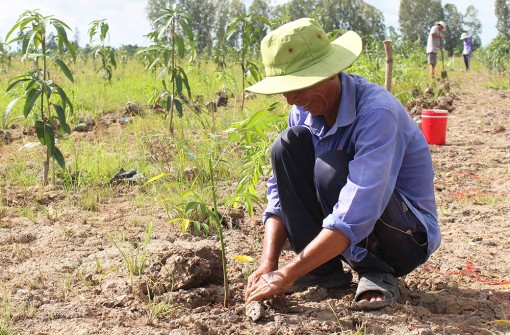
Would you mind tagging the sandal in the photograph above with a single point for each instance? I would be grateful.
(385, 283)
(336, 279)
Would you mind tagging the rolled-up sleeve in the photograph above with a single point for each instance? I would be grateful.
(273, 201)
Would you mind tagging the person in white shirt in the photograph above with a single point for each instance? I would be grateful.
(434, 44)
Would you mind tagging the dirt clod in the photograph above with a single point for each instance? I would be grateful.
(255, 311)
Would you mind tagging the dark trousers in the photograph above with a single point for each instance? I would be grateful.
(308, 189)
(466, 61)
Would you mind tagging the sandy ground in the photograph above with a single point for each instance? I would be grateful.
(63, 274)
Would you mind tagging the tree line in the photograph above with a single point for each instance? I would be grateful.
(209, 19)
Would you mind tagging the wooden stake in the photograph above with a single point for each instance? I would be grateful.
(389, 63)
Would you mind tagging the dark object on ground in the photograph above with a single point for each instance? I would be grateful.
(85, 124)
(131, 108)
(126, 176)
(5, 137)
(221, 101)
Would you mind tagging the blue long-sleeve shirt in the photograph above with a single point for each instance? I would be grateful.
(467, 46)
(389, 153)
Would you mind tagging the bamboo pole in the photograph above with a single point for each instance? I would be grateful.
(389, 63)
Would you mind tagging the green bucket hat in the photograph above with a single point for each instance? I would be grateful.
(298, 55)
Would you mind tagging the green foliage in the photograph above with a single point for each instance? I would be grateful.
(496, 56)
(167, 47)
(134, 255)
(6, 314)
(195, 212)
(5, 58)
(245, 27)
(45, 101)
(214, 215)
(205, 214)
(159, 309)
(473, 26)
(354, 15)
(100, 29)
(261, 8)
(251, 137)
(502, 11)
(455, 28)
(203, 14)
(416, 17)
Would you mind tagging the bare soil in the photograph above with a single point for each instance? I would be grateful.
(61, 272)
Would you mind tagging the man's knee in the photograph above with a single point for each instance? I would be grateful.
(332, 167)
(294, 138)
(330, 173)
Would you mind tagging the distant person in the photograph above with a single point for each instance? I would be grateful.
(434, 44)
(467, 49)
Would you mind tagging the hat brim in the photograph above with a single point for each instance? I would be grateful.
(346, 49)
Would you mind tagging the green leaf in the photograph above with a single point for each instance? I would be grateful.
(232, 28)
(185, 80)
(253, 70)
(205, 228)
(9, 33)
(65, 69)
(92, 30)
(39, 130)
(186, 28)
(63, 96)
(7, 111)
(18, 79)
(57, 155)
(191, 207)
(61, 33)
(169, 102)
(25, 43)
(49, 138)
(178, 106)
(30, 100)
(62, 23)
(179, 40)
(33, 38)
(178, 84)
(111, 55)
(104, 30)
(62, 118)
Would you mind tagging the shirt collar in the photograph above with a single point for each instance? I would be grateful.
(346, 111)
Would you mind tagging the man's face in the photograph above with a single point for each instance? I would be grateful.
(319, 99)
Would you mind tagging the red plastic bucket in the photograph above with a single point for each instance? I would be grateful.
(433, 125)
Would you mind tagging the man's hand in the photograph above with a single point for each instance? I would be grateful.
(268, 285)
(274, 239)
(262, 270)
(328, 244)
